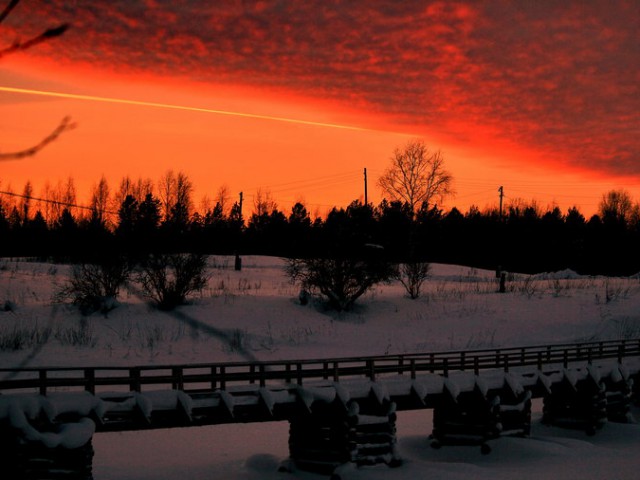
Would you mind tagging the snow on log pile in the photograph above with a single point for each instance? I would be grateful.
(40, 435)
(338, 430)
(577, 401)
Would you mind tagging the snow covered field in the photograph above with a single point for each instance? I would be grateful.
(255, 314)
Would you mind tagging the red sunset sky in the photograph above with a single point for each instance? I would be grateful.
(542, 97)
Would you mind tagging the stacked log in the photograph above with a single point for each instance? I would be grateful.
(324, 440)
(35, 461)
(514, 408)
(577, 402)
(619, 391)
(466, 418)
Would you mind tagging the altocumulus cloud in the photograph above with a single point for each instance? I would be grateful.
(559, 76)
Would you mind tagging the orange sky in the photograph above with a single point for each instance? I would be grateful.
(540, 99)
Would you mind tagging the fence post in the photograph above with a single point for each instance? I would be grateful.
(336, 375)
(325, 370)
(214, 380)
(223, 380)
(462, 360)
(400, 366)
(252, 374)
(522, 356)
(299, 369)
(589, 359)
(506, 362)
(476, 365)
(371, 369)
(262, 379)
(432, 358)
(90, 380)
(445, 367)
(413, 368)
(287, 377)
(620, 353)
(178, 378)
(565, 358)
(539, 361)
(135, 383)
(42, 377)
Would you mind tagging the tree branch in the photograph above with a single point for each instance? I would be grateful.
(65, 125)
(43, 37)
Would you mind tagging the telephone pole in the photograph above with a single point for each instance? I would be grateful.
(366, 199)
(238, 262)
(501, 190)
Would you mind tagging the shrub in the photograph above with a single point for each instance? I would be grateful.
(95, 286)
(168, 279)
(341, 280)
(412, 275)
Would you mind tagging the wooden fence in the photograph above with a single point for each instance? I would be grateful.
(226, 375)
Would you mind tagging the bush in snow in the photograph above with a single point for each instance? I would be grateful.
(342, 280)
(95, 286)
(412, 275)
(168, 279)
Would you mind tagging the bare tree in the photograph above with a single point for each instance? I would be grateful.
(168, 279)
(25, 202)
(412, 275)
(66, 123)
(340, 279)
(175, 191)
(222, 198)
(263, 203)
(166, 191)
(617, 206)
(100, 200)
(416, 176)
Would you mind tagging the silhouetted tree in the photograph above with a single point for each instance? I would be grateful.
(416, 176)
(616, 207)
(168, 279)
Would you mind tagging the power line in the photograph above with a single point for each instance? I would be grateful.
(53, 202)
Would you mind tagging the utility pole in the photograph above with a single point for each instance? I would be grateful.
(500, 275)
(366, 199)
(238, 262)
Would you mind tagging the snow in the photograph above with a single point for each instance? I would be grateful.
(256, 314)
(18, 410)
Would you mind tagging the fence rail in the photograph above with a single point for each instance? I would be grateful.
(224, 375)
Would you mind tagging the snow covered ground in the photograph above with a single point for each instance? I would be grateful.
(255, 314)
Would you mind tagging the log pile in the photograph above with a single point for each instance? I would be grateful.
(477, 416)
(328, 438)
(35, 461)
(619, 391)
(465, 418)
(576, 402)
(514, 408)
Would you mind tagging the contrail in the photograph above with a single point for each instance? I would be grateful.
(93, 98)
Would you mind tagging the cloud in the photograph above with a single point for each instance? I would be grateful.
(560, 77)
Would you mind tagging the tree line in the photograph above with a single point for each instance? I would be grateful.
(141, 217)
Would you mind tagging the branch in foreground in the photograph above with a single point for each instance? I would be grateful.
(65, 124)
(43, 37)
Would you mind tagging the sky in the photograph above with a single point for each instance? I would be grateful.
(298, 98)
